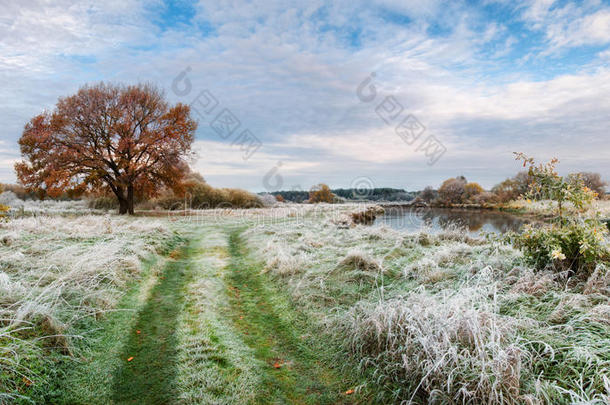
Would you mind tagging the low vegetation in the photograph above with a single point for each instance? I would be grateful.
(291, 305)
(445, 318)
(571, 242)
(58, 275)
(304, 304)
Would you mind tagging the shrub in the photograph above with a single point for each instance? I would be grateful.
(19, 191)
(571, 243)
(547, 184)
(368, 216)
(197, 194)
(576, 245)
(166, 202)
(241, 199)
(427, 194)
(268, 200)
(512, 188)
(485, 198)
(3, 208)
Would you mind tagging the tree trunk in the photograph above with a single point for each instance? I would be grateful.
(122, 206)
(130, 209)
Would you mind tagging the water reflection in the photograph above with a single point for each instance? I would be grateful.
(439, 219)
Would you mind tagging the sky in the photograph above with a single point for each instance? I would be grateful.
(379, 93)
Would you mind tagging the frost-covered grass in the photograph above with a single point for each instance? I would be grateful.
(56, 273)
(445, 318)
(19, 208)
(442, 318)
(214, 364)
(599, 208)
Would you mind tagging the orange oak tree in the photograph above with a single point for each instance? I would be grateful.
(321, 193)
(108, 138)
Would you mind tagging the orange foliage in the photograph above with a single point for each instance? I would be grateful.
(123, 139)
(3, 208)
(472, 189)
(321, 193)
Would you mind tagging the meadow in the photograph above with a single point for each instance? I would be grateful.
(287, 305)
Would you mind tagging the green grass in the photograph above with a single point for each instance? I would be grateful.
(89, 378)
(204, 327)
(149, 355)
(215, 366)
(295, 366)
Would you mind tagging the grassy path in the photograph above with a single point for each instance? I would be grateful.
(292, 365)
(208, 328)
(148, 374)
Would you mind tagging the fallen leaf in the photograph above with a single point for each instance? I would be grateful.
(349, 392)
(277, 365)
(27, 382)
(129, 359)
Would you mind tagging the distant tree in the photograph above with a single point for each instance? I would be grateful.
(591, 180)
(471, 190)
(512, 188)
(522, 181)
(321, 193)
(452, 190)
(279, 198)
(427, 194)
(122, 139)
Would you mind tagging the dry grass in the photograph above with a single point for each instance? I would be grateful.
(447, 348)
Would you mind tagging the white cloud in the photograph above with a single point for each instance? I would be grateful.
(571, 25)
(290, 71)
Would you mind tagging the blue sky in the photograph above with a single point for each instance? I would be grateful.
(484, 78)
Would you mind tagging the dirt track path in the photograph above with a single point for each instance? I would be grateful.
(212, 329)
(293, 369)
(150, 353)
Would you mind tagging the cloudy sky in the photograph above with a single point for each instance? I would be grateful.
(482, 79)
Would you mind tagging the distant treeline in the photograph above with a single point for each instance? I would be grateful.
(374, 194)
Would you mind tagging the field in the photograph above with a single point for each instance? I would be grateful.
(287, 306)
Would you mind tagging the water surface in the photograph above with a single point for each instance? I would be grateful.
(436, 220)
